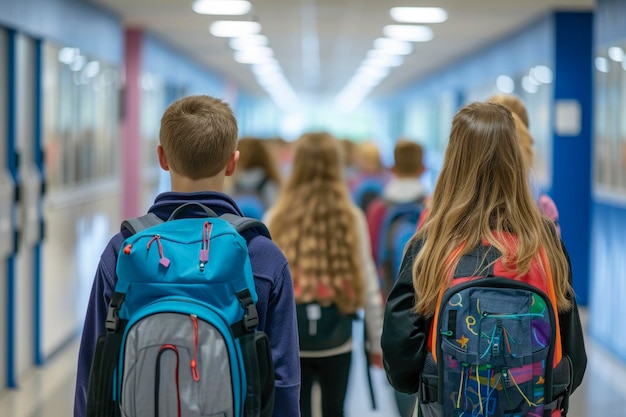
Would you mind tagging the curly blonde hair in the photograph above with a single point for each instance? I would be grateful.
(315, 225)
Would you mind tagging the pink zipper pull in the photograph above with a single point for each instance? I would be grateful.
(163, 261)
(194, 364)
(204, 250)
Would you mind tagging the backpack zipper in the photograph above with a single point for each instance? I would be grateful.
(194, 364)
(163, 260)
(204, 249)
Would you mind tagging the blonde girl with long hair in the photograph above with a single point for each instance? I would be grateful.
(325, 239)
(482, 197)
(545, 203)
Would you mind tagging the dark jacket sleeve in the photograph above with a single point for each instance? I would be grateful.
(282, 330)
(572, 339)
(405, 333)
(101, 292)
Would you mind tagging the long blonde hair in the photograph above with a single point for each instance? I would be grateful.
(483, 192)
(314, 224)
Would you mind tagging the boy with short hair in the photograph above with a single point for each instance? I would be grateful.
(198, 146)
(407, 169)
(404, 187)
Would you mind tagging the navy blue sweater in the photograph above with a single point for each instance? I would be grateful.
(276, 305)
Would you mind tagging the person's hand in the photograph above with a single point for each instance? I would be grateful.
(376, 359)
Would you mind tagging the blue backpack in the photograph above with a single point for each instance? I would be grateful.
(250, 200)
(181, 327)
(397, 227)
(250, 205)
(367, 191)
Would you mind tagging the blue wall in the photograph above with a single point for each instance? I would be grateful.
(571, 177)
(519, 51)
(93, 30)
(608, 254)
(179, 70)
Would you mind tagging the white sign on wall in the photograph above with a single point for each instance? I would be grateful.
(567, 118)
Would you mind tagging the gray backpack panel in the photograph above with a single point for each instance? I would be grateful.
(168, 366)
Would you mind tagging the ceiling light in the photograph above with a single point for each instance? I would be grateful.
(254, 56)
(92, 69)
(67, 55)
(373, 72)
(505, 84)
(234, 28)
(529, 85)
(542, 74)
(602, 64)
(616, 53)
(245, 42)
(221, 7)
(266, 68)
(383, 61)
(393, 46)
(418, 14)
(412, 33)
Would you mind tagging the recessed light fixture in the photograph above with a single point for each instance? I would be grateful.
(246, 42)
(528, 85)
(380, 59)
(254, 56)
(234, 28)
(221, 7)
(602, 64)
(418, 14)
(616, 53)
(411, 33)
(542, 74)
(393, 46)
(505, 84)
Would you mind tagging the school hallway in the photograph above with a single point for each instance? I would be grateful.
(49, 391)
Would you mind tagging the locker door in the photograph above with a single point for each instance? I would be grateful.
(28, 149)
(8, 209)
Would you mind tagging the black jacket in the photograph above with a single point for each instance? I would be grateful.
(405, 333)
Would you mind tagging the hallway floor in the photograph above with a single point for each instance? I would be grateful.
(48, 391)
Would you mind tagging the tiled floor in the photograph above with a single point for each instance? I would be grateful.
(48, 392)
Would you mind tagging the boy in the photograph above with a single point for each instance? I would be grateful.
(198, 146)
(404, 187)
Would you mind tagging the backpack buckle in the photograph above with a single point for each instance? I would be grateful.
(112, 323)
(113, 320)
(250, 318)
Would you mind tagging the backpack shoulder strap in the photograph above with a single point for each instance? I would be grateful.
(137, 224)
(241, 224)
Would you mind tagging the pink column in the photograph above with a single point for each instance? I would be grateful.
(131, 128)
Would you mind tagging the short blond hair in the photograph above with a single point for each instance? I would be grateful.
(407, 157)
(198, 135)
(369, 157)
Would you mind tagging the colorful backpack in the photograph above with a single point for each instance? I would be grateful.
(181, 328)
(396, 229)
(495, 346)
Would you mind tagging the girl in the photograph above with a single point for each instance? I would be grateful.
(324, 237)
(482, 197)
